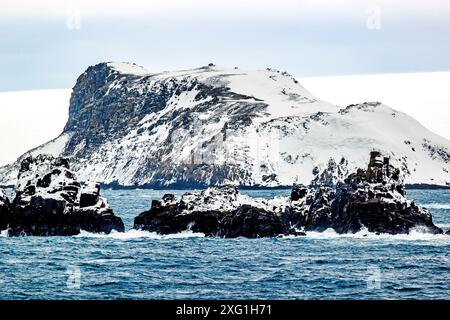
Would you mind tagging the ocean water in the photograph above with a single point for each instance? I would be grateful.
(141, 265)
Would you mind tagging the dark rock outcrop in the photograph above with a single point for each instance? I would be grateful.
(221, 212)
(167, 218)
(373, 199)
(251, 222)
(49, 201)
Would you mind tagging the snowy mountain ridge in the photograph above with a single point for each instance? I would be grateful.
(209, 126)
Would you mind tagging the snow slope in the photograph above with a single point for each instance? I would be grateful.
(208, 126)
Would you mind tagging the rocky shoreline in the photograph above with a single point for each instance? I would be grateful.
(49, 201)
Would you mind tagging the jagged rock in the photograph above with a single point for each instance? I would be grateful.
(372, 198)
(49, 201)
(332, 174)
(198, 212)
(319, 216)
(250, 222)
(448, 233)
(169, 218)
(5, 210)
(221, 212)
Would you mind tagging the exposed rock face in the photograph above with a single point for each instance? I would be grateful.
(298, 192)
(49, 201)
(5, 210)
(221, 212)
(251, 222)
(372, 198)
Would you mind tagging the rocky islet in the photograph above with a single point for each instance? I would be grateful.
(49, 201)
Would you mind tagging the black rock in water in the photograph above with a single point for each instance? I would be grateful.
(168, 218)
(49, 201)
(221, 212)
(373, 199)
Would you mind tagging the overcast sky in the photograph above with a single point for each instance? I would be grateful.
(47, 44)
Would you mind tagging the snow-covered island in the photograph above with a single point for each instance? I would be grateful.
(129, 127)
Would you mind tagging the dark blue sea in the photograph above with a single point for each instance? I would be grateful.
(141, 265)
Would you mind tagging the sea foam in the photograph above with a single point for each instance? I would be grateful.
(136, 234)
(444, 206)
(415, 235)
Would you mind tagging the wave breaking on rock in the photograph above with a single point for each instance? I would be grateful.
(49, 201)
(372, 199)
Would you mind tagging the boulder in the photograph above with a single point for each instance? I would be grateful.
(166, 217)
(49, 201)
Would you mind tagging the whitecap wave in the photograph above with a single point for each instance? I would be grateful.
(444, 206)
(136, 234)
(415, 235)
(4, 233)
